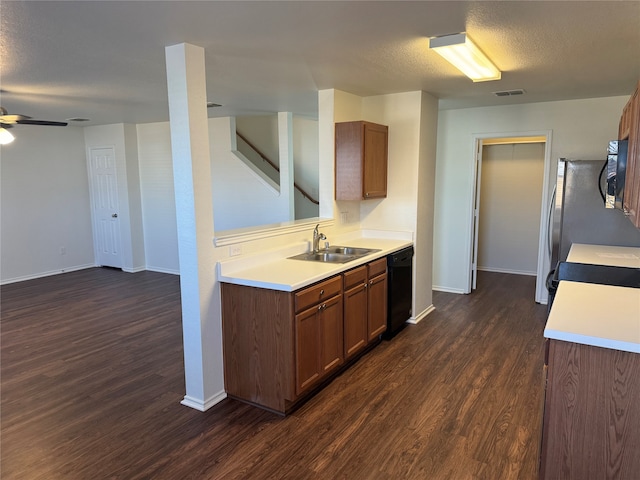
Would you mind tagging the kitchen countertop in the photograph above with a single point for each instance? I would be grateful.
(598, 315)
(604, 255)
(277, 272)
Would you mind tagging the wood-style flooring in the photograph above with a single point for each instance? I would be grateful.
(92, 379)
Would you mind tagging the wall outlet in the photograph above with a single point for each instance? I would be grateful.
(63, 250)
(235, 250)
(344, 217)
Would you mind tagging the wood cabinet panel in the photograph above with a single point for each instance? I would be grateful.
(629, 128)
(308, 369)
(361, 153)
(355, 318)
(592, 414)
(331, 334)
(257, 326)
(317, 293)
(377, 306)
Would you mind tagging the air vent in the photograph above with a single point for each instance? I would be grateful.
(78, 119)
(213, 105)
(509, 93)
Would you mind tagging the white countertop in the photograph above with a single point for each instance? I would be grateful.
(598, 315)
(604, 255)
(277, 272)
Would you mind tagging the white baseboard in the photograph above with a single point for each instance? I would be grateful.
(422, 315)
(506, 270)
(203, 405)
(438, 288)
(47, 274)
(133, 270)
(163, 270)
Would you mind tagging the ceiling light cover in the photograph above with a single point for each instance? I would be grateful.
(462, 53)
(5, 136)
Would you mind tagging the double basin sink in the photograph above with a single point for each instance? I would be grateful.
(335, 254)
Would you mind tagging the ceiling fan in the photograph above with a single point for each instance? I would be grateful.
(7, 121)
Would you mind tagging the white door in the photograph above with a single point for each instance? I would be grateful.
(476, 216)
(105, 207)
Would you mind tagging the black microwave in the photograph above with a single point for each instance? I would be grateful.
(616, 173)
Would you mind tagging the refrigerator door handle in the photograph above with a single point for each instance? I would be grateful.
(552, 205)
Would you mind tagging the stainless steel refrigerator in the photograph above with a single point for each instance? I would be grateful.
(579, 214)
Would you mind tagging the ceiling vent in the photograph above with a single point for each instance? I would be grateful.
(509, 93)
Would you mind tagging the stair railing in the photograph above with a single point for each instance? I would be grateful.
(277, 169)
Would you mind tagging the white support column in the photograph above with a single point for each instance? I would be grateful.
(285, 147)
(201, 328)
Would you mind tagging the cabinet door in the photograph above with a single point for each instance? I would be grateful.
(331, 334)
(630, 126)
(355, 319)
(377, 305)
(307, 349)
(375, 161)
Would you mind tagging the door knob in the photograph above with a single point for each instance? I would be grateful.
(114, 215)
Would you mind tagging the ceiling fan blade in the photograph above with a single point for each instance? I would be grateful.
(13, 118)
(41, 122)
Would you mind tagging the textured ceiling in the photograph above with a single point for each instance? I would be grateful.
(105, 60)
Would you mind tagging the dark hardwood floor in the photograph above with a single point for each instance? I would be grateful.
(92, 377)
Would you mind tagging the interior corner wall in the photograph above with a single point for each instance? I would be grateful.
(129, 203)
(423, 273)
(581, 129)
(158, 198)
(44, 204)
(401, 112)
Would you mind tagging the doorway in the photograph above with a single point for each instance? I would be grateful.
(509, 213)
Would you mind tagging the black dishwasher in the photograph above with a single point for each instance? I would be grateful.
(399, 275)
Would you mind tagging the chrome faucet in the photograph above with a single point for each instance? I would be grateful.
(317, 236)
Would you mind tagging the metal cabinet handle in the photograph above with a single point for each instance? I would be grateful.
(321, 292)
(114, 215)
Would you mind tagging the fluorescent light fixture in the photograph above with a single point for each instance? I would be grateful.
(5, 136)
(462, 53)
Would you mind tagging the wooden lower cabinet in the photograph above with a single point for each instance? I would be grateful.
(365, 306)
(377, 301)
(591, 426)
(279, 346)
(356, 336)
(319, 342)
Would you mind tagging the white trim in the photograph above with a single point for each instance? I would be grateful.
(507, 270)
(48, 274)
(438, 288)
(133, 270)
(543, 260)
(207, 404)
(230, 237)
(421, 316)
(163, 270)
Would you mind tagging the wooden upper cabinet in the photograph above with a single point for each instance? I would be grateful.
(630, 129)
(361, 160)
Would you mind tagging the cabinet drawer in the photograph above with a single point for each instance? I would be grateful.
(354, 277)
(322, 291)
(377, 267)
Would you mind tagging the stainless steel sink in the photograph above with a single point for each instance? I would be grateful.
(335, 254)
(351, 250)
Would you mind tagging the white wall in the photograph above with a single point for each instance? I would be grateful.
(305, 164)
(44, 203)
(158, 199)
(510, 193)
(241, 197)
(580, 129)
(122, 137)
